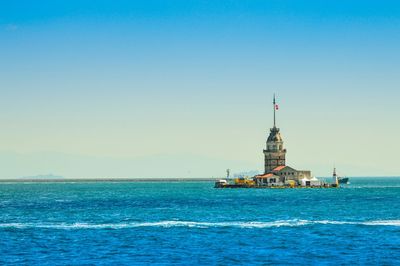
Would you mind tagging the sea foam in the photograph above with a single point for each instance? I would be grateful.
(192, 224)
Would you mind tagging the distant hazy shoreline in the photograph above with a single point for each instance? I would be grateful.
(63, 180)
(85, 180)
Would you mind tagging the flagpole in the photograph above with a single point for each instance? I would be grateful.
(274, 102)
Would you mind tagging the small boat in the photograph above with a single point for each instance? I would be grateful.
(221, 183)
(343, 180)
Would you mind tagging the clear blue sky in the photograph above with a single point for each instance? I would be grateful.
(184, 88)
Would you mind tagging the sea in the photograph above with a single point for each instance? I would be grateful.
(192, 223)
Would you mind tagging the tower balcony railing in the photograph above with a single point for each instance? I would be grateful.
(274, 150)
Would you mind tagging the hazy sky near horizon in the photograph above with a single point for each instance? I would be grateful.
(184, 88)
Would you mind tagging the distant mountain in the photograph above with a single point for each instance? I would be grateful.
(15, 165)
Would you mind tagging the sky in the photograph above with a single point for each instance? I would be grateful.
(184, 88)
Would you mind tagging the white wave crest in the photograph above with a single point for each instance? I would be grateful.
(387, 222)
(191, 224)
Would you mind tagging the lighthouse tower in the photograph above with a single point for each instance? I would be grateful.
(275, 154)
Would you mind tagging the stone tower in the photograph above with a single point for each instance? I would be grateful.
(275, 154)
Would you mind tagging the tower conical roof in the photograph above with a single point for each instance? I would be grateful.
(274, 136)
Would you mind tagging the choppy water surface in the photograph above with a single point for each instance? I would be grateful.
(193, 223)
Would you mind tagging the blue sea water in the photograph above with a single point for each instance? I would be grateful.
(163, 223)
